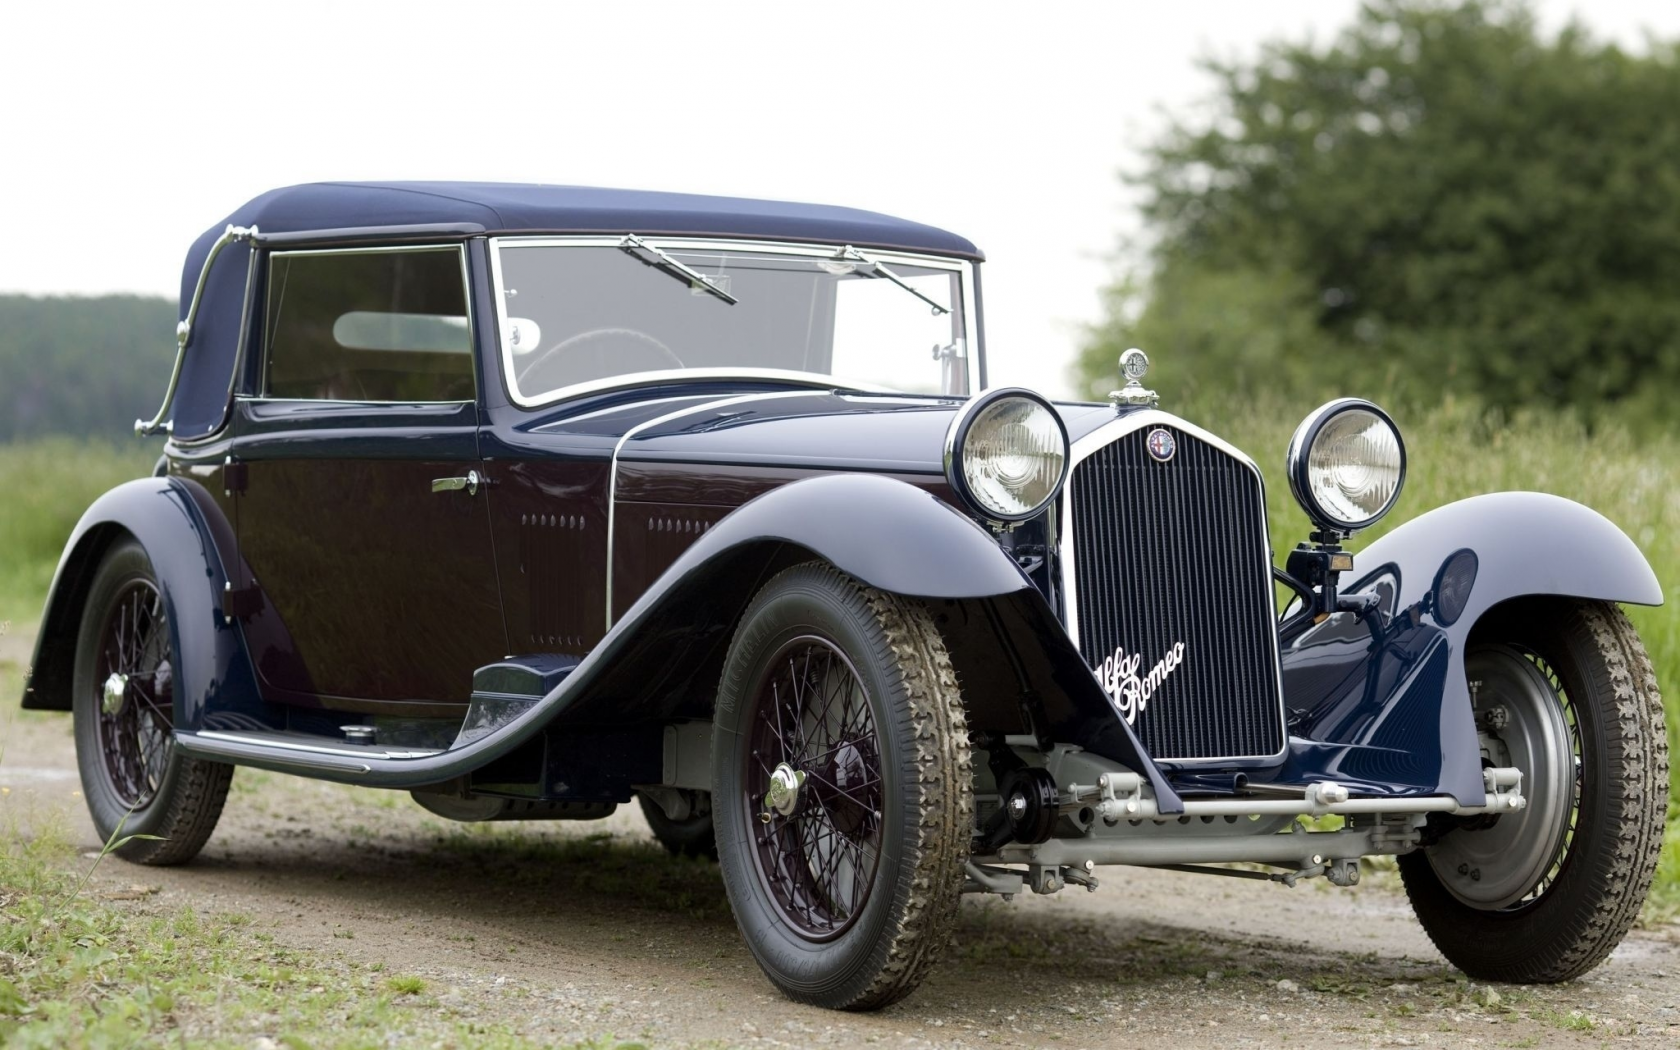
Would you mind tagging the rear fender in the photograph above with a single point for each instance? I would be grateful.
(183, 533)
(1401, 711)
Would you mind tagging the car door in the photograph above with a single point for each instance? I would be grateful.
(362, 517)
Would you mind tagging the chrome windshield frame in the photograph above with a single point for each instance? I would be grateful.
(963, 268)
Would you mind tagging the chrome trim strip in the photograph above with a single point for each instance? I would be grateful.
(313, 749)
(962, 267)
(618, 447)
(625, 407)
(336, 234)
(1106, 435)
(259, 400)
(245, 319)
(813, 380)
(183, 331)
(377, 249)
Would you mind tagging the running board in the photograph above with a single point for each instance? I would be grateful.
(505, 695)
(288, 751)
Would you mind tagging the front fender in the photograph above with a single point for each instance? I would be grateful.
(1405, 706)
(887, 533)
(183, 533)
(665, 653)
(1527, 543)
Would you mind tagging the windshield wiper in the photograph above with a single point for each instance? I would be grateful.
(850, 254)
(632, 244)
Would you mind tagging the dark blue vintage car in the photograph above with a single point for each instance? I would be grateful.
(531, 500)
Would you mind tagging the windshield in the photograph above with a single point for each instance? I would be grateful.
(584, 312)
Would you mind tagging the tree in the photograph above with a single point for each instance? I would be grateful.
(87, 366)
(1440, 200)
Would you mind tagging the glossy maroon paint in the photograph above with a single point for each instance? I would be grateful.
(549, 520)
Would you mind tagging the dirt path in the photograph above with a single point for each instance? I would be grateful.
(571, 930)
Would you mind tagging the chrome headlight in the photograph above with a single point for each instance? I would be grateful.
(1007, 454)
(1346, 465)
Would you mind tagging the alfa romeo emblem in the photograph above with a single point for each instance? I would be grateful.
(1161, 444)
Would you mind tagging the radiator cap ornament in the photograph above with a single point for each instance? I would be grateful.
(1134, 365)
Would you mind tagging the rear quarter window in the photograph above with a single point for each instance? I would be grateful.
(368, 326)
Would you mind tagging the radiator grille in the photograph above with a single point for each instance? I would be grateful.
(1175, 552)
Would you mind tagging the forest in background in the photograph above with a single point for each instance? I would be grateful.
(82, 366)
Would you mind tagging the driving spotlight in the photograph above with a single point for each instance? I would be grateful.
(1346, 466)
(1006, 454)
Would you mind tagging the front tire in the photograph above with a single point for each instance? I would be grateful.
(842, 791)
(133, 777)
(1545, 894)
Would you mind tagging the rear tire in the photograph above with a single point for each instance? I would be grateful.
(123, 707)
(1554, 898)
(844, 873)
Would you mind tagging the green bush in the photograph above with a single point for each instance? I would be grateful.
(1441, 196)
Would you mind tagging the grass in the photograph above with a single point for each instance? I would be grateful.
(78, 973)
(48, 484)
(1456, 451)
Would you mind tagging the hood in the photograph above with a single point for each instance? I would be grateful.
(826, 429)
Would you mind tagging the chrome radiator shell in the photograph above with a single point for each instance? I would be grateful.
(1159, 552)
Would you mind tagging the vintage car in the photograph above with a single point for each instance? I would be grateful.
(531, 500)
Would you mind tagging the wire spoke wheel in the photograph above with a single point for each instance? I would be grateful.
(134, 676)
(123, 694)
(842, 788)
(813, 788)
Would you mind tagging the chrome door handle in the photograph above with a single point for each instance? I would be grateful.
(469, 483)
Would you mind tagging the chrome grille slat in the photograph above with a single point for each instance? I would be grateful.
(1177, 551)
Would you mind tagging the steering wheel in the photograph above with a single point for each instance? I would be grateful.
(573, 344)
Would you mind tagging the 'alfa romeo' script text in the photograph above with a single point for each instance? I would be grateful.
(1131, 691)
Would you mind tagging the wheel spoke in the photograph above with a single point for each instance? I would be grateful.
(137, 739)
(812, 714)
(145, 696)
(848, 792)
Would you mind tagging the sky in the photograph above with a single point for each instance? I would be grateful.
(128, 129)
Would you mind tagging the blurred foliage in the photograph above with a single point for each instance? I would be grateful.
(1442, 198)
(82, 365)
(48, 485)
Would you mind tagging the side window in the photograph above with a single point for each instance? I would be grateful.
(368, 326)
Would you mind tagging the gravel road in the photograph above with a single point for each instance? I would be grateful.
(571, 930)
